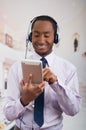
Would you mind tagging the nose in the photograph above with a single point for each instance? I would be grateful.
(41, 39)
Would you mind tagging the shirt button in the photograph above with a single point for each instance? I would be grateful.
(33, 105)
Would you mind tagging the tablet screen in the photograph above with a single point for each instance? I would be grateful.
(33, 67)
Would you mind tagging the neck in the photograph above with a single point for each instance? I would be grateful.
(43, 54)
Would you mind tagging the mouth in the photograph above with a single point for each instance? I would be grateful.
(40, 47)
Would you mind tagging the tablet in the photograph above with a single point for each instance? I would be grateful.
(33, 67)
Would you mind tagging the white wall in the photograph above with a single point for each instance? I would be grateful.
(66, 49)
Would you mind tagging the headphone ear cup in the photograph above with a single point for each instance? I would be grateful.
(30, 37)
(56, 39)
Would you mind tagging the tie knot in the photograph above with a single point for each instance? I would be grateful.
(44, 62)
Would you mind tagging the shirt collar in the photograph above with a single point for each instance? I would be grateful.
(49, 57)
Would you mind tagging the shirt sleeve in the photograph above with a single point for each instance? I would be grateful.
(68, 96)
(13, 107)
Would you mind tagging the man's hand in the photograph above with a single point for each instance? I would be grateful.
(30, 91)
(49, 76)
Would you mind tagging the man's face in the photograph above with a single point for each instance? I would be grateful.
(43, 37)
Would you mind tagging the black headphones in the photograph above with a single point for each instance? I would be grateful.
(48, 18)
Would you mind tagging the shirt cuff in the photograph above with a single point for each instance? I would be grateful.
(20, 107)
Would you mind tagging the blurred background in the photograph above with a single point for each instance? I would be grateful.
(15, 17)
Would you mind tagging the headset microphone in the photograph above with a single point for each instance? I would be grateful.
(26, 47)
(26, 50)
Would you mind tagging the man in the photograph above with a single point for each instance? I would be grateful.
(60, 85)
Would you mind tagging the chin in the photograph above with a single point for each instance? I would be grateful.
(43, 53)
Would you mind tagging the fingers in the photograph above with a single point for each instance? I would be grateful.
(49, 76)
(39, 88)
(31, 89)
(22, 83)
(30, 79)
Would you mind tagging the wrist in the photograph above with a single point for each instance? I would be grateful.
(23, 102)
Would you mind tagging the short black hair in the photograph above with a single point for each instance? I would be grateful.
(45, 17)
